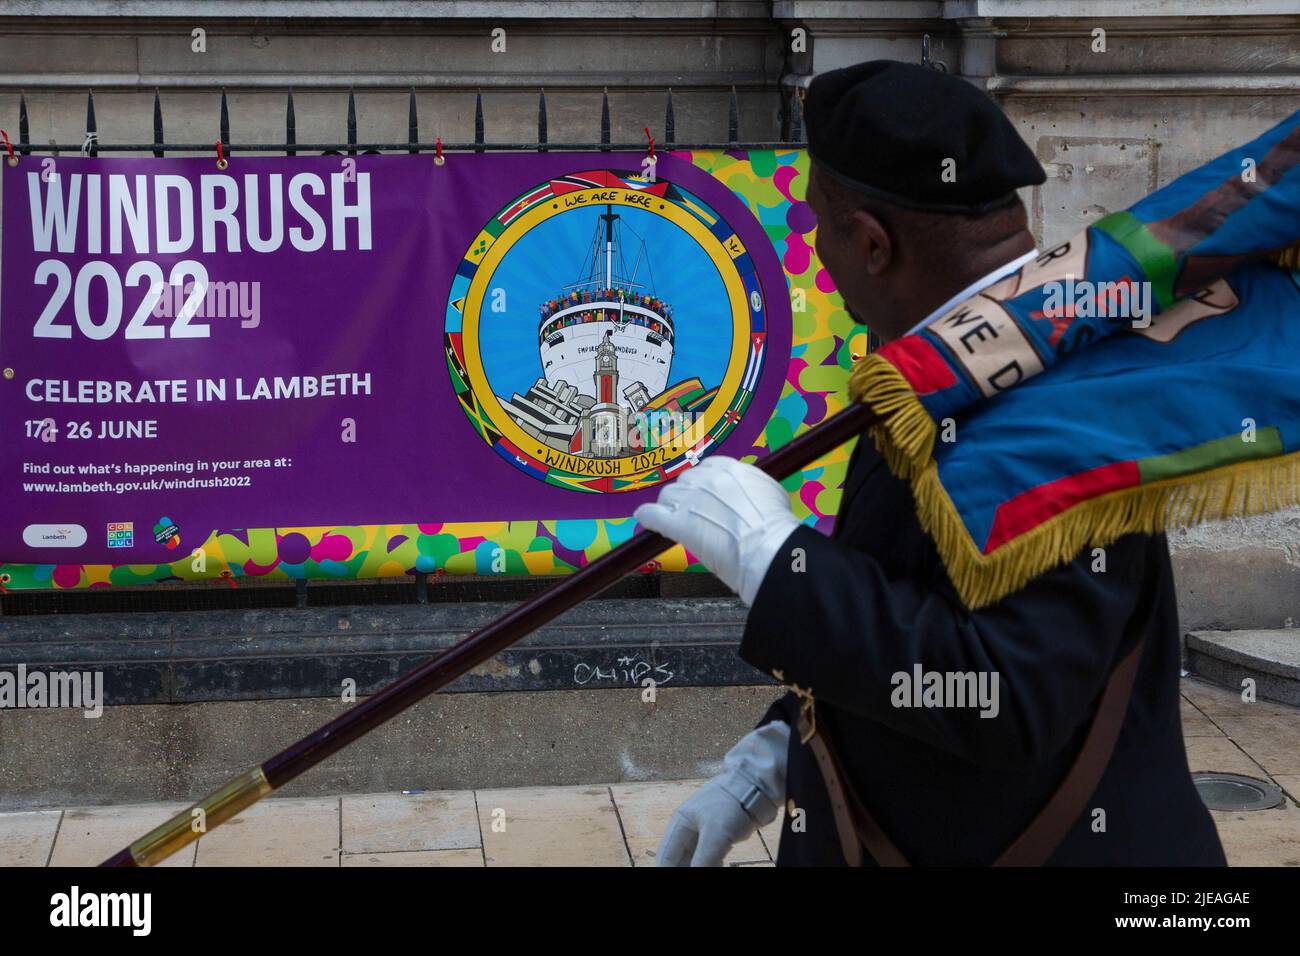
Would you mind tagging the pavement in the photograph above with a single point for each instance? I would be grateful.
(600, 825)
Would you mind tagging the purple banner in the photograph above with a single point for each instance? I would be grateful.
(368, 341)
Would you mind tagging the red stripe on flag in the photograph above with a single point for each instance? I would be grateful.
(523, 203)
(561, 188)
(920, 363)
(1031, 508)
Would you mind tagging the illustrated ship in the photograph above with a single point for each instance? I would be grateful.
(606, 349)
(608, 299)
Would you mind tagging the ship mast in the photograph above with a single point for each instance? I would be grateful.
(591, 277)
(609, 216)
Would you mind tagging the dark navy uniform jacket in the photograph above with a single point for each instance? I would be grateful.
(948, 786)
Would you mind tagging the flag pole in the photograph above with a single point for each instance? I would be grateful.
(437, 672)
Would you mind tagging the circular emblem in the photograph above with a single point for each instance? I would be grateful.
(604, 332)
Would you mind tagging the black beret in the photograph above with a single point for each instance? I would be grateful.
(886, 128)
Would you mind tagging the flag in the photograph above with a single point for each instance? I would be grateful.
(1143, 375)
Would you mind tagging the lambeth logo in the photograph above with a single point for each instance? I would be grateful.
(121, 534)
(604, 331)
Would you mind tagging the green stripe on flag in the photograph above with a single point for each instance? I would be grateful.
(1211, 454)
(1154, 257)
(457, 382)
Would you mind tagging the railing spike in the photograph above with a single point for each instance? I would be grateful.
(352, 124)
(158, 138)
(478, 121)
(24, 137)
(733, 119)
(290, 128)
(412, 125)
(670, 121)
(92, 131)
(604, 119)
(225, 123)
(796, 116)
(541, 121)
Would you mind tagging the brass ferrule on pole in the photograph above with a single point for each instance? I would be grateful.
(212, 811)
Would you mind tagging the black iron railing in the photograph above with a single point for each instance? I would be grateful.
(791, 122)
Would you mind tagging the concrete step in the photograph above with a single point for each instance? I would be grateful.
(194, 697)
(137, 753)
(1269, 657)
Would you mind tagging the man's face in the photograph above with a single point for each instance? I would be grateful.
(843, 250)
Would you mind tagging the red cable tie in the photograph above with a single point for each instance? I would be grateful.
(652, 142)
(221, 159)
(437, 147)
(13, 160)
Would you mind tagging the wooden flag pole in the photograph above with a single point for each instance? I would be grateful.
(437, 672)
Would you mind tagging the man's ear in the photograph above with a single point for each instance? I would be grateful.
(875, 249)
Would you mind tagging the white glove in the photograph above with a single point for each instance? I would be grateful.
(730, 515)
(731, 806)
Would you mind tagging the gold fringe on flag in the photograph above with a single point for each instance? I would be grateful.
(906, 441)
(1288, 258)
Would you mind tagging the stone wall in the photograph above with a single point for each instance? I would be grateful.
(1177, 83)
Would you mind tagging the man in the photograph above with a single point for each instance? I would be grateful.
(913, 180)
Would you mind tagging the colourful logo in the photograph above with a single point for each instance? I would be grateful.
(166, 533)
(121, 534)
(604, 332)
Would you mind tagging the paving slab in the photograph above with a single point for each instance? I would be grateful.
(771, 834)
(276, 832)
(551, 826)
(472, 857)
(390, 822)
(1215, 701)
(1195, 723)
(1260, 837)
(90, 835)
(27, 838)
(1290, 783)
(1221, 755)
(1273, 742)
(647, 808)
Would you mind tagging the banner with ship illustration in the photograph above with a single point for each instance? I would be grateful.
(372, 366)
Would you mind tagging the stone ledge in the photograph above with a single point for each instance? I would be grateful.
(1147, 85)
(145, 753)
(1270, 657)
(394, 10)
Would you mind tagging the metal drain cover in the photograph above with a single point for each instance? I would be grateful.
(1232, 791)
